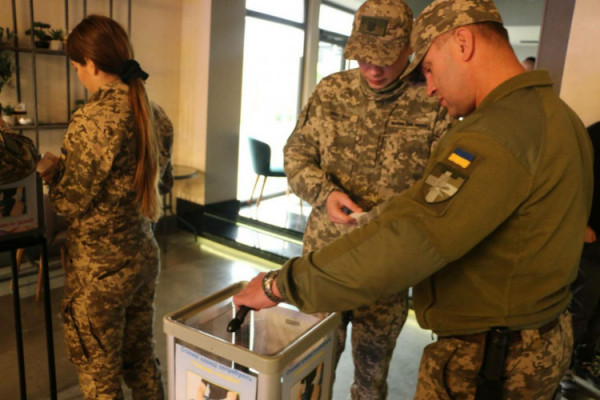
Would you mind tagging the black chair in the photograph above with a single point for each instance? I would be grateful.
(261, 162)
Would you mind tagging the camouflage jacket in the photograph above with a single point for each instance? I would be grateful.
(18, 156)
(164, 128)
(97, 165)
(369, 144)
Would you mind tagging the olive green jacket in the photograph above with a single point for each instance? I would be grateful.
(491, 236)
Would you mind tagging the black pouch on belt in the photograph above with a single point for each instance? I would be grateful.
(490, 383)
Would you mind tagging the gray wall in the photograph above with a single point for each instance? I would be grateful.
(224, 99)
(555, 38)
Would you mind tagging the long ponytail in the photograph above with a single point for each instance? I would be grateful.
(146, 173)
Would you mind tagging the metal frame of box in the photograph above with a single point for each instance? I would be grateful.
(269, 368)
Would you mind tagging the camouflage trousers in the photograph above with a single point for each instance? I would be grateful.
(108, 325)
(534, 365)
(374, 332)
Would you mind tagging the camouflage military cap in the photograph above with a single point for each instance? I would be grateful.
(442, 16)
(380, 32)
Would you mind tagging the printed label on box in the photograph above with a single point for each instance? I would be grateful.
(309, 376)
(200, 378)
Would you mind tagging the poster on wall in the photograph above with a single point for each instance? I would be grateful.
(308, 377)
(200, 378)
(21, 209)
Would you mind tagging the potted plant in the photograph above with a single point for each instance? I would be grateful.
(8, 114)
(9, 35)
(56, 39)
(6, 67)
(41, 34)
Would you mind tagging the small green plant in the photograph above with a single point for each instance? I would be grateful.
(40, 31)
(8, 110)
(56, 34)
(6, 32)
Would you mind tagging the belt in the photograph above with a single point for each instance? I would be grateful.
(513, 336)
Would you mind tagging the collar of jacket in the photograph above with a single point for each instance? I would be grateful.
(103, 90)
(391, 91)
(523, 80)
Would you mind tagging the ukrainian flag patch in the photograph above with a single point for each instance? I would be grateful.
(461, 157)
(63, 154)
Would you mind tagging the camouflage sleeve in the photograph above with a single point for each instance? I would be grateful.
(302, 159)
(89, 148)
(164, 129)
(18, 156)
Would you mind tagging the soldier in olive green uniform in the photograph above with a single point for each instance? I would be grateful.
(367, 144)
(18, 156)
(490, 238)
(113, 257)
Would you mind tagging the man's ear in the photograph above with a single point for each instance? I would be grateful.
(465, 42)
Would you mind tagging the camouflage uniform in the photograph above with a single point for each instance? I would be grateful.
(449, 368)
(113, 261)
(490, 237)
(370, 145)
(18, 156)
(164, 128)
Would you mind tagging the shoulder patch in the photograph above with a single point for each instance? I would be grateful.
(461, 157)
(442, 183)
(63, 154)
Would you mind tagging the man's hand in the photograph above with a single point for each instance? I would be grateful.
(590, 235)
(253, 296)
(336, 202)
(47, 167)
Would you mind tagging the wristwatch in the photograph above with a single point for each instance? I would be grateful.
(267, 283)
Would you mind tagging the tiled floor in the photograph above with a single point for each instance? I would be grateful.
(287, 212)
(190, 271)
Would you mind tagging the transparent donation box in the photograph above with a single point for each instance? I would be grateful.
(278, 353)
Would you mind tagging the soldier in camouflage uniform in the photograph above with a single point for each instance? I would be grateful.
(113, 257)
(364, 136)
(18, 156)
(164, 128)
(490, 238)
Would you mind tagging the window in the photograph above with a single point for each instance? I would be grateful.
(335, 26)
(335, 20)
(270, 94)
(272, 75)
(291, 10)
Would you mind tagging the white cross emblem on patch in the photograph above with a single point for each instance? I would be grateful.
(440, 187)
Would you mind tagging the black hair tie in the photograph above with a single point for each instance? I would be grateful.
(131, 69)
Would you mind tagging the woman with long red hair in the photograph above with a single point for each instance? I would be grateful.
(105, 183)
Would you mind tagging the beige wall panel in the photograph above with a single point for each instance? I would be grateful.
(581, 78)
